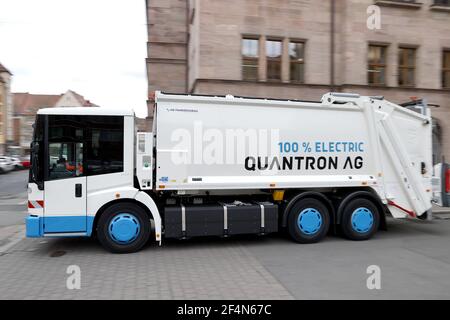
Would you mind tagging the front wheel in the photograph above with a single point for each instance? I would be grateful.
(123, 228)
(360, 219)
(309, 221)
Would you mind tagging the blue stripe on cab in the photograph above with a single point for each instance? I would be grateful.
(65, 224)
(40, 226)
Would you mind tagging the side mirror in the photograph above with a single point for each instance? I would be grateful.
(35, 164)
(35, 147)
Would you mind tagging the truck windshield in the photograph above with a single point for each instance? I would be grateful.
(36, 173)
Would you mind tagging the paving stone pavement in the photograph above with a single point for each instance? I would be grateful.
(414, 257)
(222, 270)
(9, 236)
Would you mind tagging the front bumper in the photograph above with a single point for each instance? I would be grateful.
(34, 226)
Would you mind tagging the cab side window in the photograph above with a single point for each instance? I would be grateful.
(65, 147)
(105, 145)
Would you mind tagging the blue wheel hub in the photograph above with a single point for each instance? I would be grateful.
(309, 221)
(362, 220)
(124, 228)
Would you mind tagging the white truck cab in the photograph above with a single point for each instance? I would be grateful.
(224, 165)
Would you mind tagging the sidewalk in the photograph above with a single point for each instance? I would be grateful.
(9, 236)
(440, 210)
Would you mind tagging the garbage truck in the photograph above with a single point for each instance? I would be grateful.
(229, 165)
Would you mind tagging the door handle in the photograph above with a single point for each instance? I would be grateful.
(78, 190)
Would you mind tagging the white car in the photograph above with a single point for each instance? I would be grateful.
(17, 162)
(6, 164)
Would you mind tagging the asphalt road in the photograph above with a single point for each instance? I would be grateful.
(13, 184)
(13, 197)
(413, 258)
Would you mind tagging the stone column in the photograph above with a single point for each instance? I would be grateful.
(285, 61)
(262, 62)
(392, 65)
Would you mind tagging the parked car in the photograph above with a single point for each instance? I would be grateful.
(17, 162)
(6, 164)
(26, 162)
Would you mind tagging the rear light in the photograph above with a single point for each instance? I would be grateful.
(447, 181)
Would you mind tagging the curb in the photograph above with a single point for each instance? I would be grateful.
(439, 210)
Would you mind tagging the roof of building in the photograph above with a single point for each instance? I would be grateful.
(28, 104)
(3, 69)
(82, 100)
(87, 111)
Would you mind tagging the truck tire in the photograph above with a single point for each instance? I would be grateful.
(308, 221)
(360, 219)
(123, 228)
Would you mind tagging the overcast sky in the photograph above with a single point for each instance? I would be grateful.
(94, 47)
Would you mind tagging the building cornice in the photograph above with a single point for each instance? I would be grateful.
(166, 60)
(399, 4)
(338, 87)
(260, 83)
(435, 7)
(390, 88)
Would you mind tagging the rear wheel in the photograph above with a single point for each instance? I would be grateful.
(308, 221)
(123, 228)
(360, 219)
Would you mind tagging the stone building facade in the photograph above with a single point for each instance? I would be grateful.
(301, 49)
(5, 109)
(2, 117)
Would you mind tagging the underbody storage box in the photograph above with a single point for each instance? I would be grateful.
(252, 218)
(200, 220)
(271, 217)
(220, 219)
(243, 219)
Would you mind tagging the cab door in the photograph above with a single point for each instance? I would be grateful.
(65, 181)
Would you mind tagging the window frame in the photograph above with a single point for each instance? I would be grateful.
(245, 59)
(411, 4)
(373, 67)
(438, 3)
(72, 160)
(89, 148)
(48, 142)
(403, 69)
(272, 59)
(445, 69)
(87, 145)
(296, 62)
